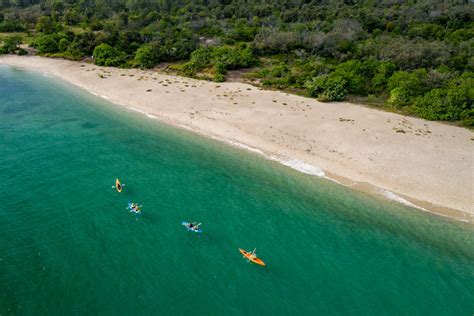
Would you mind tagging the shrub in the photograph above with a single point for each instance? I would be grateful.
(383, 71)
(106, 55)
(350, 71)
(45, 25)
(21, 52)
(404, 86)
(453, 103)
(47, 44)
(63, 44)
(327, 88)
(219, 78)
(10, 44)
(399, 96)
(221, 59)
(11, 26)
(147, 56)
(442, 104)
(232, 58)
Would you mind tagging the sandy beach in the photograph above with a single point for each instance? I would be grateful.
(424, 164)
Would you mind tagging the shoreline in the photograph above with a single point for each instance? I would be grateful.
(422, 164)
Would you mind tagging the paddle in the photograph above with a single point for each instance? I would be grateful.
(194, 227)
(253, 256)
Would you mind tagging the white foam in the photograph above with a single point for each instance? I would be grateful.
(301, 166)
(105, 97)
(243, 146)
(393, 197)
(185, 127)
(295, 164)
(151, 116)
(136, 110)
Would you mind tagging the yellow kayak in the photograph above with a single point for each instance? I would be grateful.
(118, 186)
(252, 257)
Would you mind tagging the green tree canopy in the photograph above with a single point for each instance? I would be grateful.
(106, 55)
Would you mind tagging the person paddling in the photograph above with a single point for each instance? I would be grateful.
(134, 208)
(194, 226)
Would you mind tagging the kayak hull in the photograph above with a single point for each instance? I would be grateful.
(248, 256)
(118, 186)
(186, 224)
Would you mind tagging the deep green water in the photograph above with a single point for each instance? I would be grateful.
(69, 246)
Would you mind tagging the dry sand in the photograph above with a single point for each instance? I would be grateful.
(427, 164)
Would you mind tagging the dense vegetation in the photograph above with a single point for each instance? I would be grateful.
(414, 56)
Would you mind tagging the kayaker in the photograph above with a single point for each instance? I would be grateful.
(134, 207)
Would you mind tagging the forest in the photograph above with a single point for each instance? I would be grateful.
(412, 57)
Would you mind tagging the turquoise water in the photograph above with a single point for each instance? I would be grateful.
(69, 246)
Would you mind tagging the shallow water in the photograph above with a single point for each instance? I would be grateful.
(69, 246)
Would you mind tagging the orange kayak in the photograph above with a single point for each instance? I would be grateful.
(118, 186)
(250, 257)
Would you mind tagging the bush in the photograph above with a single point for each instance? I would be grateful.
(106, 55)
(383, 71)
(405, 86)
(10, 44)
(45, 25)
(11, 26)
(219, 78)
(327, 88)
(221, 59)
(443, 104)
(63, 44)
(147, 56)
(426, 31)
(350, 71)
(399, 96)
(233, 58)
(21, 52)
(453, 103)
(47, 44)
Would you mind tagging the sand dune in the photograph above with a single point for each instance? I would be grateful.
(427, 164)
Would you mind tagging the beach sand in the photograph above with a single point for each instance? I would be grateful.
(425, 164)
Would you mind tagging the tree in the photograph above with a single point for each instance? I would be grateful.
(63, 44)
(327, 88)
(47, 44)
(147, 56)
(350, 71)
(106, 55)
(45, 25)
(10, 44)
(404, 86)
(444, 104)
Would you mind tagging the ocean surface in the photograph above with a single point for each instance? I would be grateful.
(69, 246)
